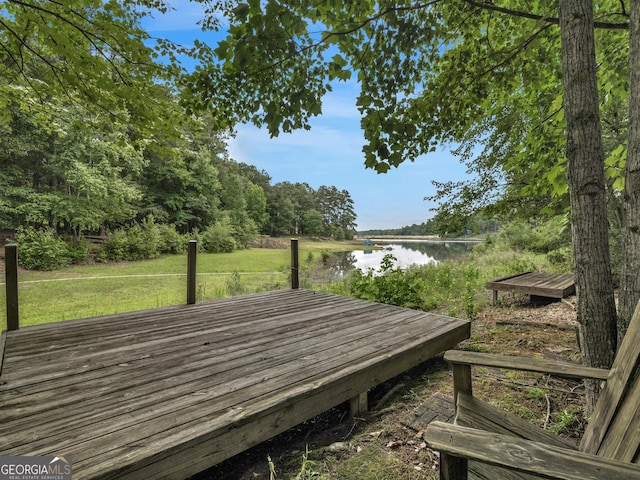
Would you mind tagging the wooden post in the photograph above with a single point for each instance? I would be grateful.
(295, 280)
(11, 274)
(461, 381)
(453, 468)
(191, 271)
(359, 405)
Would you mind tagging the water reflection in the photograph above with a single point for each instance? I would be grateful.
(406, 254)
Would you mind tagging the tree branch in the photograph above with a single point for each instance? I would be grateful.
(341, 33)
(517, 13)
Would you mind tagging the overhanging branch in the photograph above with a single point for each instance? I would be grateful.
(533, 16)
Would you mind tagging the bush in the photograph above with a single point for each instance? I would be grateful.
(542, 238)
(561, 258)
(41, 250)
(218, 238)
(140, 242)
(389, 285)
(171, 241)
(79, 250)
(116, 245)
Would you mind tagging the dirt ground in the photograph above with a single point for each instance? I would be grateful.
(387, 442)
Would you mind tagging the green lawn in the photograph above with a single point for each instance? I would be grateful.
(92, 290)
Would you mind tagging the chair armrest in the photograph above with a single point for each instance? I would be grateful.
(524, 455)
(563, 369)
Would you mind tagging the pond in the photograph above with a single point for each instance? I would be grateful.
(406, 254)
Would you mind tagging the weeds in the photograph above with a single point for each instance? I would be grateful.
(307, 468)
(272, 468)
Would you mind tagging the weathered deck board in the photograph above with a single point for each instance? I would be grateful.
(166, 393)
(552, 285)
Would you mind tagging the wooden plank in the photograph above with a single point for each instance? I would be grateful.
(462, 381)
(523, 455)
(302, 402)
(539, 365)
(192, 252)
(501, 280)
(553, 285)
(176, 390)
(132, 414)
(142, 398)
(621, 387)
(226, 323)
(3, 342)
(207, 354)
(11, 286)
(471, 412)
(173, 346)
(359, 404)
(111, 351)
(295, 265)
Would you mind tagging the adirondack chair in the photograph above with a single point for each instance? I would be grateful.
(487, 443)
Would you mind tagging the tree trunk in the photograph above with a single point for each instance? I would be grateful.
(596, 308)
(630, 272)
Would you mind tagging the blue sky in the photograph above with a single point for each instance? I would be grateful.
(330, 153)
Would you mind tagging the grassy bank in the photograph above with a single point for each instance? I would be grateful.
(453, 288)
(101, 289)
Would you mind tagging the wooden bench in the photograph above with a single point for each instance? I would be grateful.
(486, 442)
(536, 284)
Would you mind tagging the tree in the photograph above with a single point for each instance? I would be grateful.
(312, 222)
(70, 179)
(281, 212)
(256, 204)
(585, 176)
(482, 73)
(182, 187)
(93, 54)
(336, 208)
(629, 281)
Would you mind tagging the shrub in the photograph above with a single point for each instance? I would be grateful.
(218, 238)
(561, 258)
(116, 245)
(41, 250)
(389, 285)
(170, 240)
(140, 242)
(79, 250)
(541, 238)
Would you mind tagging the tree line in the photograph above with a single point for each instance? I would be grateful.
(86, 175)
(478, 224)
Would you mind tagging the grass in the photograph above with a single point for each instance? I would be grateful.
(92, 290)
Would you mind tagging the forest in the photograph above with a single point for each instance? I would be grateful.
(81, 178)
(95, 142)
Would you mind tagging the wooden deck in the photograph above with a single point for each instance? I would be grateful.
(551, 285)
(166, 393)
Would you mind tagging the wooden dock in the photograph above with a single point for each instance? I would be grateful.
(169, 392)
(551, 285)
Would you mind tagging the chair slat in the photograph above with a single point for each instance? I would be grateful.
(618, 392)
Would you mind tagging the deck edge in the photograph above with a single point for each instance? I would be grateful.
(3, 341)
